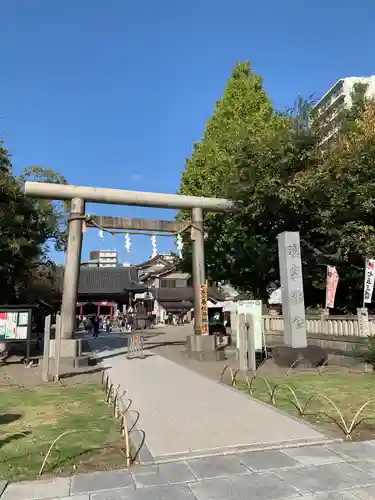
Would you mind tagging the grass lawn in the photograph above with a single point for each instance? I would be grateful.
(30, 420)
(347, 390)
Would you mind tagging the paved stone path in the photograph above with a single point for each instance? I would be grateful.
(338, 471)
(209, 442)
(185, 414)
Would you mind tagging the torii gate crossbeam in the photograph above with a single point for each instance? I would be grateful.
(81, 194)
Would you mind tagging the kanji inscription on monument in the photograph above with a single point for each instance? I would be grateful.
(294, 272)
(292, 289)
(297, 296)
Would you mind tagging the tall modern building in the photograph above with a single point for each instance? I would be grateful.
(104, 258)
(338, 97)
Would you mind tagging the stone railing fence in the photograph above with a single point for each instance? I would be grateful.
(331, 325)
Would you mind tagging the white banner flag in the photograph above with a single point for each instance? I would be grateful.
(369, 281)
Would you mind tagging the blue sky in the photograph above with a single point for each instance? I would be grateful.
(113, 94)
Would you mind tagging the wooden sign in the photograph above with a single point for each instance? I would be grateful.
(204, 310)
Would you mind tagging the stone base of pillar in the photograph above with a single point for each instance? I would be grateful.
(202, 348)
(70, 348)
(70, 355)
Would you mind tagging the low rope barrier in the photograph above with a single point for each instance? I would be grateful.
(319, 370)
(120, 411)
(113, 398)
(347, 426)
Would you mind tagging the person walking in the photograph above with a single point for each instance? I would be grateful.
(123, 324)
(88, 325)
(129, 323)
(95, 324)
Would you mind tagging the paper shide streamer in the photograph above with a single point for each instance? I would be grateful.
(154, 249)
(127, 242)
(180, 245)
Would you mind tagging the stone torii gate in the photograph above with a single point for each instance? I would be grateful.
(79, 195)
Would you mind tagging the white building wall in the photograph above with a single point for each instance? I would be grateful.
(335, 99)
(108, 258)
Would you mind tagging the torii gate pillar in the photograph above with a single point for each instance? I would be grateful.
(198, 271)
(72, 268)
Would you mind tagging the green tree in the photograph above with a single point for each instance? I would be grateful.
(348, 116)
(243, 246)
(272, 164)
(291, 186)
(244, 113)
(339, 196)
(53, 212)
(44, 283)
(244, 120)
(26, 228)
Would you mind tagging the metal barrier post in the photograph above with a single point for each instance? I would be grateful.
(46, 347)
(135, 347)
(250, 343)
(141, 353)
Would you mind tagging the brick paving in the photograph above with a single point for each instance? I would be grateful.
(335, 471)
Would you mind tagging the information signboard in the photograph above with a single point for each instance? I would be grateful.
(253, 307)
(204, 309)
(14, 324)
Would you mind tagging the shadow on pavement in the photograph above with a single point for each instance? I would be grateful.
(139, 356)
(154, 345)
(83, 372)
(108, 345)
(105, 342)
